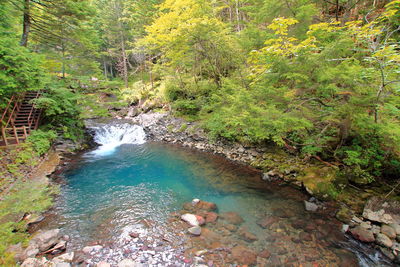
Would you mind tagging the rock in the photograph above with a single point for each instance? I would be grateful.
(31, 251)
(207, 206)
(267, 221)
(244, 255)
(67, 257)
(63, 264)
(201, 252)
(134, 234)
(246, 235)
(31, 262)
(388, 231)
(232, 217)
(396, 227)
(195, 230)
(103, 264)
(89, 249)
(46, 239)
(128, 263)
(362, 234)
(345, 228)
(382, 210)
(211, 217)
(200, 220)
(384, 240)
(303, 236)
(190, 219)
(367, 225)
(309, 206)
(376, 229)
(265, 254)
(231, 227)
(344, 214)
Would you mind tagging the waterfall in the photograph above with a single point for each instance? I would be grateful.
(111, 136)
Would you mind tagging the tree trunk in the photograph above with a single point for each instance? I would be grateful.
(105, 69)
(26, 24)
(123, 50)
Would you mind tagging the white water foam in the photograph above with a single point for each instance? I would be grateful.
(109, 137)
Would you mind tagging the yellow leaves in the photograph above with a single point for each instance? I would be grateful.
(281, 25)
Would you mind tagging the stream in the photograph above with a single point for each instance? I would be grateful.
(127, 196)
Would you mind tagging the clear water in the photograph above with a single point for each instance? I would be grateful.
(138, 186)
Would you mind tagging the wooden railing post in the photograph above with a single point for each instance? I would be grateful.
(3, 132)
(16, 135)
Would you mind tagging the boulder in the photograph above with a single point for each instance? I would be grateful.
(382, 210)
(362, 234)
(384, 240)
(244, 255)
(388, 231)
(62, 264)
(190, 219)
(232, 217)
(195, 230)
(46, 239)
(309, 206)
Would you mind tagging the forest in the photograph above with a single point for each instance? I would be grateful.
(317, 78)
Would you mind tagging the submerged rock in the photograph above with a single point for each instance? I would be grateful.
(267, 221)
(232, 217)
(195, 230)
(211, 217)
(244, 255)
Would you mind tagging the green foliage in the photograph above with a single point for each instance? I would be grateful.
(41, 141)
(61, 112)
(20, 69)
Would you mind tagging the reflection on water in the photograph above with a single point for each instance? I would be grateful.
(139, 186)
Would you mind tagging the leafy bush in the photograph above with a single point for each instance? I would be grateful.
(61, 112)
(41, 141)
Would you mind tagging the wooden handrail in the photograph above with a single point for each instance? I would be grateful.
(6, 110)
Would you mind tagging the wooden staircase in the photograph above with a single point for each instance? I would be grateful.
(19, 118)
